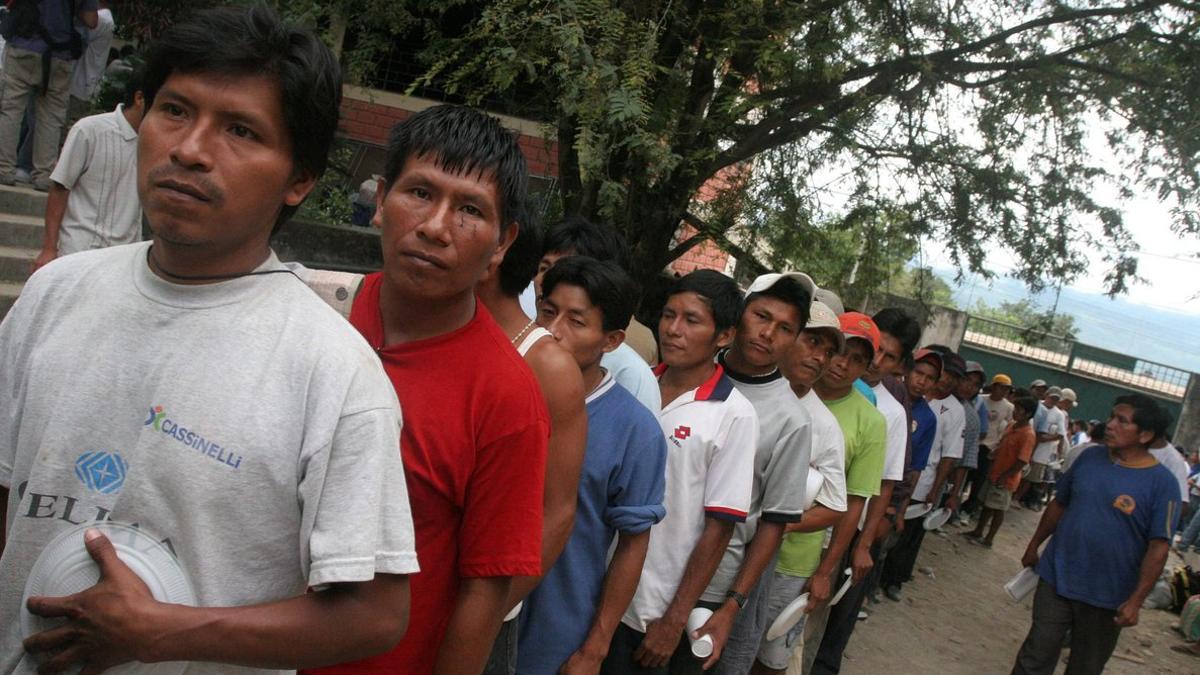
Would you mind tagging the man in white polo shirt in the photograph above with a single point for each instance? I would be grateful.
(711, 432)
(93, 197)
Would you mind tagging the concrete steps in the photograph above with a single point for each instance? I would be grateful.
(21, 211)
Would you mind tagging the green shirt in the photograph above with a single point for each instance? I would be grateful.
(865, 431)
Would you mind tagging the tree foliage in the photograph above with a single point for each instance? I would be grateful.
(922, 285)
(983, 123)
(1046, 329)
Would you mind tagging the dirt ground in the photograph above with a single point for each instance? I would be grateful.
(965, 623)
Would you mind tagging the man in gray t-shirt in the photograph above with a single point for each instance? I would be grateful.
(775, 310)
(195, 387)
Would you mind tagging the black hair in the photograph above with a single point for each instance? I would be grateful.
(907, 361)
(580, 236)
(1027, 403)
(1021, 392)
(1148, 415)
(719, 291)
(786, 289)
(900, 325)
(134, 83)
(608, 287)
(1096, 431)
(463, 140)
(520, 263)
(255, 41)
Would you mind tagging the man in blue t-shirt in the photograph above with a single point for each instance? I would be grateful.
(569, 619)
(1112, 520)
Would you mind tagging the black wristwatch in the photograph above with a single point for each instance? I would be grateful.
(737, 597)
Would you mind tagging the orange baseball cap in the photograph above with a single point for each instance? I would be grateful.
(859, 325)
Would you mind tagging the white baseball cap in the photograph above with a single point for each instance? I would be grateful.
(765, 281)
(831, 300)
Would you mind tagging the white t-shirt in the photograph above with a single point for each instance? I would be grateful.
(712, 432)
(85, 78)
(999, 416)
(629, 369)
(244, 422)
(1047, 452)
(98, 164)
(828, 453)
(947, 443)
(897, 432)
(1169, 457)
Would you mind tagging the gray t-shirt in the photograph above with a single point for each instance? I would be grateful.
(781, 465)
(243, 422)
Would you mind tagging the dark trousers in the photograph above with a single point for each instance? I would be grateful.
(842, 619)
(626, 641)
(978, 478)
(503, 659)
(1093, 635)
(900, 561)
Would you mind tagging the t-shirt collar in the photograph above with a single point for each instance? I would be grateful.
(716, 388)
(742, 377)
(197, 296)
(127, 131)
(606, 383)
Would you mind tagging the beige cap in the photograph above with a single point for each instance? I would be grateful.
(821, 317)
(1068, 394)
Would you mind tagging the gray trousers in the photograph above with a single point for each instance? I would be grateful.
(22, 76)
(1093, 635)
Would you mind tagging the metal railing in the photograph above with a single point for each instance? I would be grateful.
(1061, 352)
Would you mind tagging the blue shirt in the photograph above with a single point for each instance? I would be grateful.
(981, 408)
(865, 389)
(629, 369)
(620, 490)
(1112, 513)
(57, 18)
(924, 432)
(1039, 419)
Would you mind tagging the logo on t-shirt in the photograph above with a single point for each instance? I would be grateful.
(102, 472)
(682, 432)
(191, 438)
(1124, 504)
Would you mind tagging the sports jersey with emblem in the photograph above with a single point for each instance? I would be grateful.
(712, 433)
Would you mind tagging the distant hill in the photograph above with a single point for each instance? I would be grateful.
(1150, 333)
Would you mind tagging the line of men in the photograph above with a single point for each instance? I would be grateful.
(545, 472)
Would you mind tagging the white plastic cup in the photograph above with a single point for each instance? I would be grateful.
(1021, 585)
(702, 647)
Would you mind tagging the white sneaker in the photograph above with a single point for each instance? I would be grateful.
(22, 176)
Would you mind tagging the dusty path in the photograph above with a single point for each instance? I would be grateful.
(961, 621)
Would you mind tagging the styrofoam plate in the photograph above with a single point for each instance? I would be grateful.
(916, 510)
(937, 518)
(837, 597)
(788, 618)
(1021, 585)
(65, 568)
(812, 486)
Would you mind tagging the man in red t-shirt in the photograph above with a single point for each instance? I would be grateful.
(475, 425)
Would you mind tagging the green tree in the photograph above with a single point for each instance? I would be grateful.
(972, 118)
(921, 284)
(1033, 327)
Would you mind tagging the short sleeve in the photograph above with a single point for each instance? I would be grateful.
(829, 459)
(73, 158)
(637, 487)
(895, 450)
(730, 477)
(952, 434)
(15, 345)
(1066, 482)
(1040, 420)
(354, 502)
(1164, 517)
(501, 531)
(866, 466)
(787, 474)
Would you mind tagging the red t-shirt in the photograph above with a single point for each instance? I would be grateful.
(474, 450)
